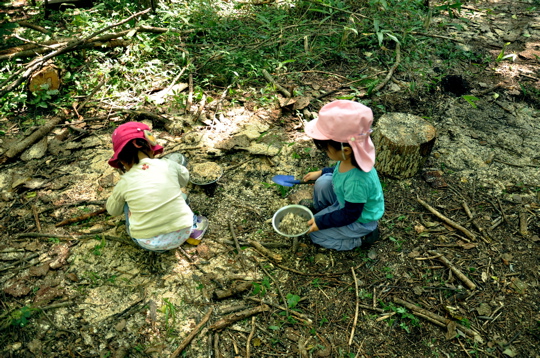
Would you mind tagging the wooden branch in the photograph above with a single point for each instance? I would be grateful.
(270, 79)
(20, 146)
(436, 317)
(259, 247)
(356, 310)
(238, 316)
(237, 245)
(297, 315)
(454, 269)
(192, 335)
(480, 229)
(392, 69)
(250, 337)
(34, 27)
(81, 218)
(436, 36)
(20, 76)
(523, 223)
(446, 220)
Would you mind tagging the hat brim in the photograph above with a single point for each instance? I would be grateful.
(311, 130)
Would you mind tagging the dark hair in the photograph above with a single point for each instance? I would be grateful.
(323, 145)
(130, 153)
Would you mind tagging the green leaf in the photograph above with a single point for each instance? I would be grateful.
(292, 300)
(471, 100)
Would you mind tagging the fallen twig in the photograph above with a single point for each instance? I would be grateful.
(237, 245)
(270, 79)
(436, 317)
(478, 227)
(250, 336)
(81, 218)
(446, 220)
(356, 310)
(192, 335)
(259, 247)
(392, 69)
(454, 269)
(238, 316)
(298, 315)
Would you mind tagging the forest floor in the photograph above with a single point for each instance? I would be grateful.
(82, 289)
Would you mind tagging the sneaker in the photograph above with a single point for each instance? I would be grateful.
(198, 231)
(370, 238)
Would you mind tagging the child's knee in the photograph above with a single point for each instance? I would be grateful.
(324, 182)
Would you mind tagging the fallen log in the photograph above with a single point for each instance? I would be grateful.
(28, 141)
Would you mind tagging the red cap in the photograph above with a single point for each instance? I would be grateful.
(127, 132)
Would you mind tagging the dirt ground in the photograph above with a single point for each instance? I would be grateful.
(82, 289)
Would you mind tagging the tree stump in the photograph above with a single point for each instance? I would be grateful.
(48, 75)
(403, 143)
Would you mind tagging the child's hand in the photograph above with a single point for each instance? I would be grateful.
(312, 175)
(313, 225)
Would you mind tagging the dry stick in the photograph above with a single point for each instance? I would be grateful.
(36, 218)
(81, 218)
(435, 36)
(189, 102)
(298, 315)
(454, 269)
(100, 84)
(270, 79)
(250, 336)
(237, 245)
(523, 223)
(31, 139)
(471, 217)
(181, 249)
(446, 220)
(217, 352)
(238, 316)
(192, 335)
(502, 211)
(33, 65)
(277, 286)
(256, 244)
(436, 317)
(356, 310)
(486, 91)
(260, 248)
(391, 72)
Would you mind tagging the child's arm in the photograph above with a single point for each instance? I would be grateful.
(342, 217)
(316, 175)
(115, 203)
(182, 174)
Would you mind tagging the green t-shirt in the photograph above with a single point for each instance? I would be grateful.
(357, 186)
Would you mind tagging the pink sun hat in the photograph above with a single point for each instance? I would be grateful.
(126, 133)
(346, 122)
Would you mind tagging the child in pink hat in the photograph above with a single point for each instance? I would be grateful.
(157, 215)
(347, 199)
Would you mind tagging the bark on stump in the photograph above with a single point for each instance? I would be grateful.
(403, 143)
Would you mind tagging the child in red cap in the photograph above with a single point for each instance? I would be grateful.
(157, 215)
(348, 199)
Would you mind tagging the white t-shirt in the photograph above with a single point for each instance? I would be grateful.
(151, 189)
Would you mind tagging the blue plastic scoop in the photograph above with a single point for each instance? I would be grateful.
(288, 180)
